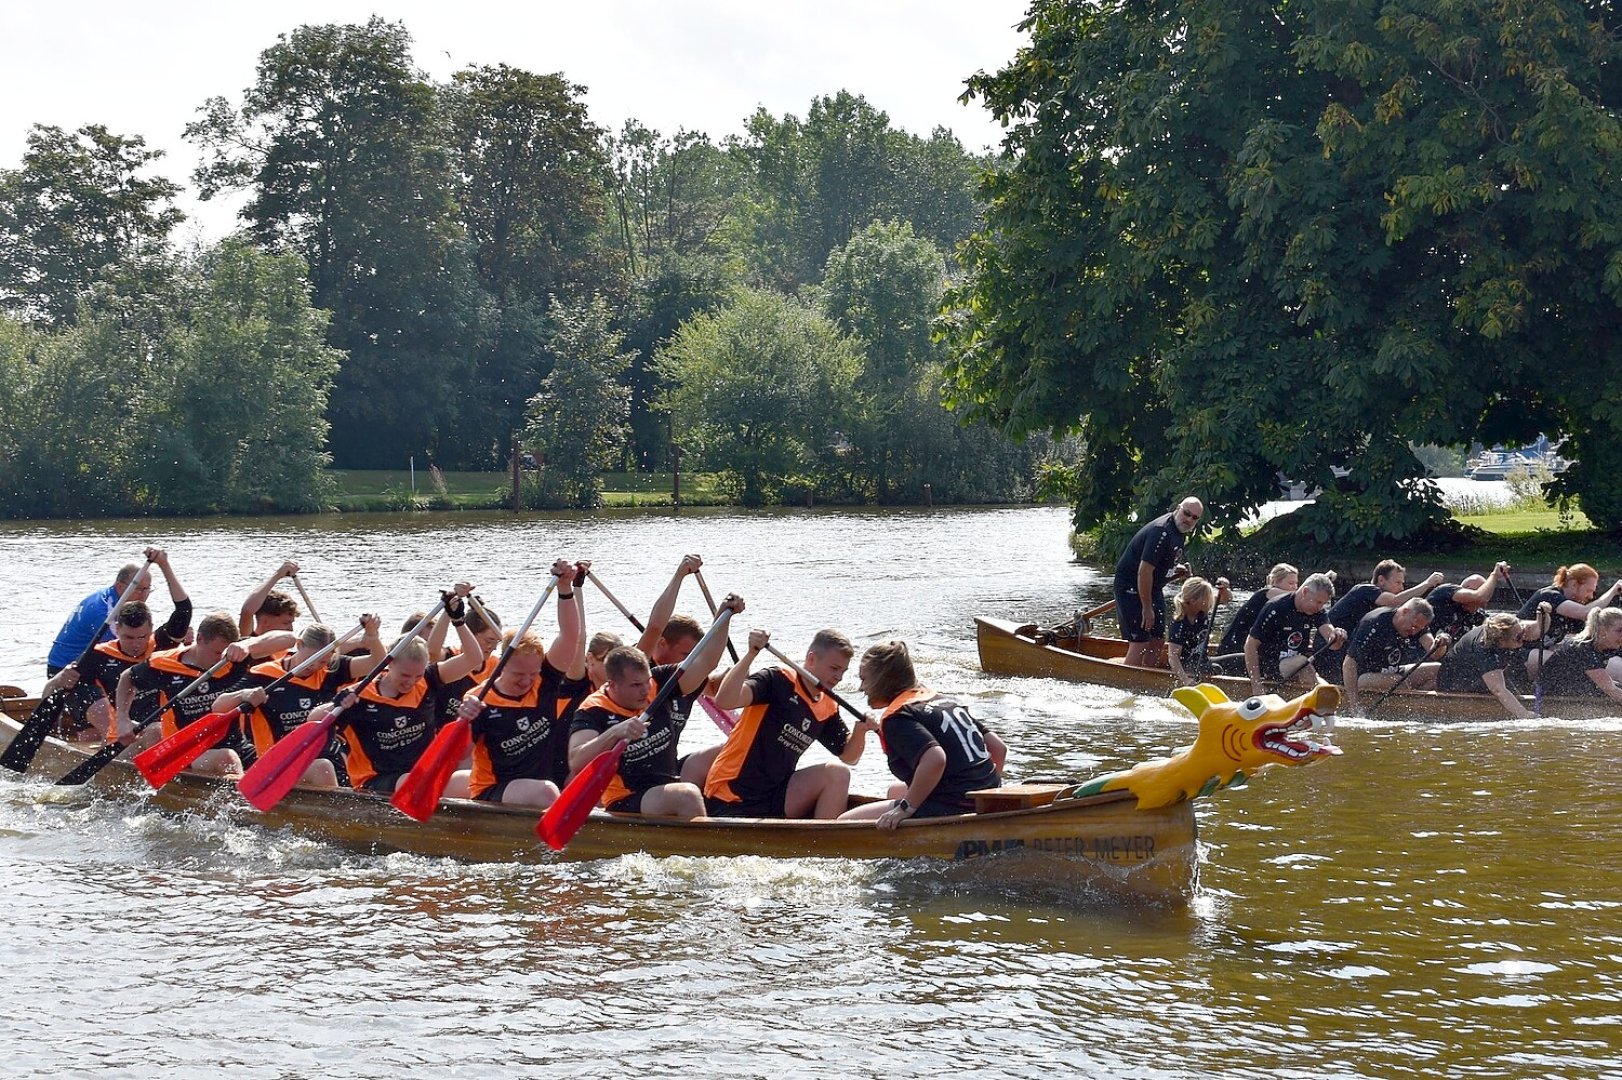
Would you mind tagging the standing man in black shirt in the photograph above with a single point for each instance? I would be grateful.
(1140, 581)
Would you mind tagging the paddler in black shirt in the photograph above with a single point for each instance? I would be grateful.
(1389, 646)
(1280, 645)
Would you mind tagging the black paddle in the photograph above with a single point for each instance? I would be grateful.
(45, 716)
(98, 761)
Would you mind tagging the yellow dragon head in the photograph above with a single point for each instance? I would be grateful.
(1236, 739)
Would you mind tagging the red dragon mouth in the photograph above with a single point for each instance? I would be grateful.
(1279, 739)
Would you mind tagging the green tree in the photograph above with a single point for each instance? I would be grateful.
(821, 180)
(578, 419)
(757, 390)
(78, 206)
(1230, 241)
(340, 140)
(529, 185)
(243, 426)
(676, 205)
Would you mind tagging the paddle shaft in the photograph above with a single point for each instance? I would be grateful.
(308, 603)
(703, 587)
(816, 682)
(591, 576)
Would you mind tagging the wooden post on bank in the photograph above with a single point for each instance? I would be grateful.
(516, 463)
(675, 476)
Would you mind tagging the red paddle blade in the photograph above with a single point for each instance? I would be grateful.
(564, 817)
(417, 794)
(164, 761)
(270, 778)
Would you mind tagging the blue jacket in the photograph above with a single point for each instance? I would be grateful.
(75, 636)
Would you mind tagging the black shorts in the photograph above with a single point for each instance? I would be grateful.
(1129, 613)
(493, 793)
(770, 805)
(382, 783)
(944, 806)
(631, 804)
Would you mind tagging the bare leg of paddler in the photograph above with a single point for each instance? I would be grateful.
(216, 762)
(820, 791)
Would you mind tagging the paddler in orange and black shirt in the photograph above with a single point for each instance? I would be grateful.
(277, 712)
(649, 778)
(755, 774)
(151, 684)
(937, 749)
(521, 727)
(392, 723)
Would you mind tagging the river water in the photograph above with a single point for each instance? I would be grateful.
(1441, 901)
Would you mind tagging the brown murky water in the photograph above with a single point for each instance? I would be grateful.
(1443, 900)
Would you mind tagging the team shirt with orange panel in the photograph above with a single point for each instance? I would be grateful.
(164, 674)
(651, 760)
(750, 776)
(385, 736)
(289, 705)
(521, 738)
(921, 718)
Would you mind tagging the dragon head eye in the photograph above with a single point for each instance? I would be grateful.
(1252, 708)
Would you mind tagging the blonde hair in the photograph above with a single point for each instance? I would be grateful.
(1279, 572)
(415, 649)
(602, 643)
(1500, 629)
(888, 671)
(1603, 618)
(1193, 589)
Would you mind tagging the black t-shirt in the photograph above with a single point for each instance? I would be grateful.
(926, 721)
(1284, 630)
(1450, 616)
(775, 730)
(1468, 660)
(524, 737)
(1233, 638)
(1158, 543)
(651, 760)
(1377, 646)
(1194, 637)
(1560, 626)
(1359, 600)
(1565, 671)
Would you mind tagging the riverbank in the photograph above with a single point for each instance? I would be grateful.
(386, 490)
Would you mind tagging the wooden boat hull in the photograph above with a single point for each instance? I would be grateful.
(1101, 846)
(1008, 649)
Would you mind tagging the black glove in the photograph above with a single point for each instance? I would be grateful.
(455, 607)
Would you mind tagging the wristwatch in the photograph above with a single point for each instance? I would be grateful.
(903, 804)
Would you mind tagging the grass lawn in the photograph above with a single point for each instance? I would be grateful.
(391, 489)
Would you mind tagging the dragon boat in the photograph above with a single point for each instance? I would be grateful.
(1007, 648)
(1127, 834)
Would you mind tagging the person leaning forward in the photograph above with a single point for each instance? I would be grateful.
(938, 751)
(1140, 581)
(1279, 646)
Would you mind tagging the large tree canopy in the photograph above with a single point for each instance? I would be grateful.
(1234, 239)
